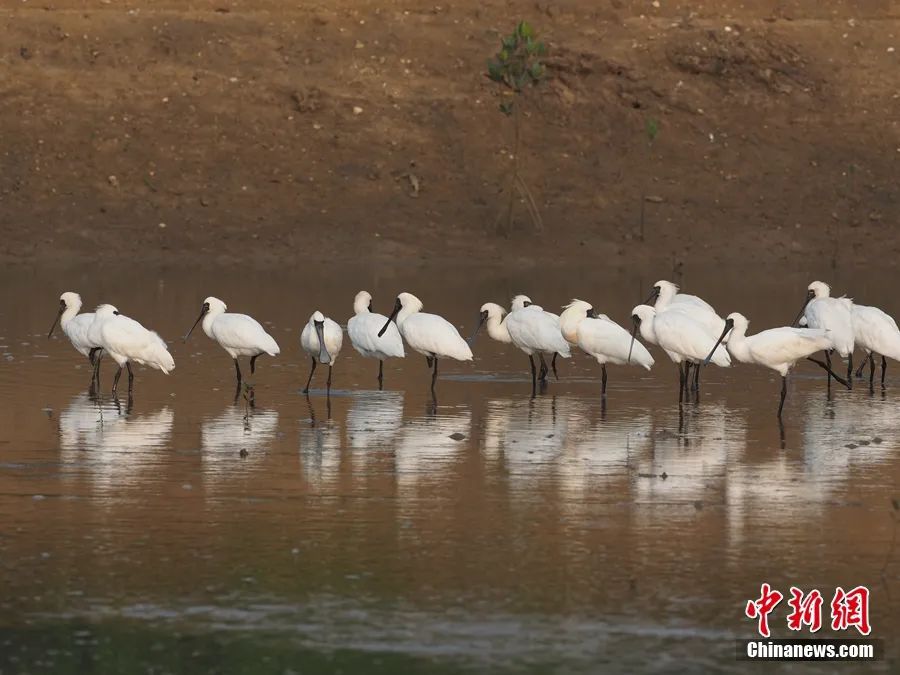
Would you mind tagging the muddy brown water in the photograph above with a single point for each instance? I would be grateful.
(187, 533)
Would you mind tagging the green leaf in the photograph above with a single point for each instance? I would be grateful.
(506, 108)
(525, 30)
(509, 42)
(540, 49)
(536, 71)
(652, 129)
(503, 55)
(495, 71)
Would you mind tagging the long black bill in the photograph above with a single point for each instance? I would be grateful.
(729, 324)
(199, 319)
(634, 330)
(397, 307)
(651, 299)
(482, 318)
(324, 356)
(62, 308)
(809, 296)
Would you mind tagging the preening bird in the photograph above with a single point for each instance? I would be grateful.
(322, 339)
(602, 338)
(238, 334)
(429, 334)
(125, 340)
(363, 329)
(820, 310)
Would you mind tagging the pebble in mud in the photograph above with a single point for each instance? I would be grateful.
(457, 436)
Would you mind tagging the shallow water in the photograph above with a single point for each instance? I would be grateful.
(184, 532)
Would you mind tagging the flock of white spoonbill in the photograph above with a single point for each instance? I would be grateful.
(685, 327)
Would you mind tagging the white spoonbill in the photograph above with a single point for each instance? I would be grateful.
(667, 298)
(75, 327)
(363, 329)
(322, 339)
(125, 340)
(492, 316)
(535, 331)
(237, 334)
(775, 348)
(876, 332)
(428, 334)
(683, 339)
(522, 301)
(820, 310)
(602, 338)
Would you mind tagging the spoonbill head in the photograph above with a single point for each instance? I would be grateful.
(572, 316)
(363, 329)
(820, 310)
(520, 302)
(238, 334)
(69, 306)
(491, 315)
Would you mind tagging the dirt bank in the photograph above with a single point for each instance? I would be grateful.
(269, 132)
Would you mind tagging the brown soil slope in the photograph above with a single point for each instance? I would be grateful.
(273, 131)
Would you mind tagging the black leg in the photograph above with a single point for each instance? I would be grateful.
(862, 366)
(883, 369)
(543, 374)
(130, 377)
(380, 374)
(681, 377)
(697, 377)
(871, 359)
(603, 380)
(428, 360)
(783, 394)
(828, 363)
(434, 375)
(312, 370)
(553, 365)
(850, 369)
(328, 383)
(237, 369)
(253, 364)
(116, 380)
(831, 373)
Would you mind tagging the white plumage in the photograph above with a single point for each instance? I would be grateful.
(363, 329)
(74, 325)
(775, 348)
(832, 314)
(535, 331)
(876, 333)
(238, 334)
(682, 338)
(669, 299)
(429, 334)
(492, 317)
(601, 337)
(321, 338)
(126, 341)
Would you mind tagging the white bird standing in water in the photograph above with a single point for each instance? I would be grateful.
(322, 339)
(820, 310)
(602, 338)
(125, 340)
(363, 329)
(535, 331)
(523, 301)
(75, 327)
(237, 334)
(667, 299)
(775, 348)
(428, 334)
(876, 332)
(681, 337)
